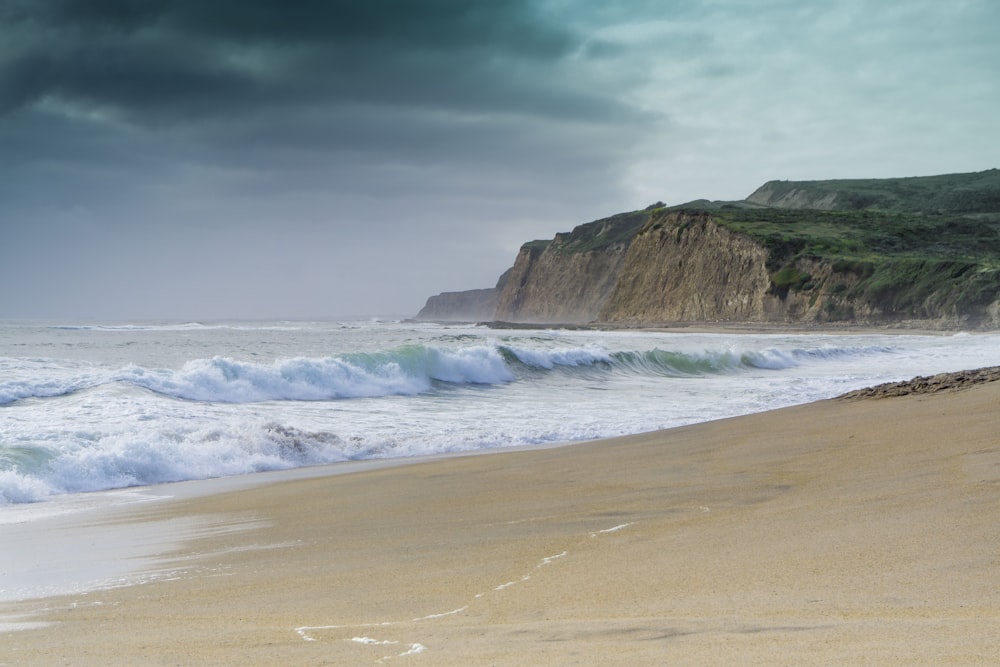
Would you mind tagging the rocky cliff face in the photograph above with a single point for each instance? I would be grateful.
(568, 279)
(549, 286)
(683, 267)
(475, 305)
(885, 251)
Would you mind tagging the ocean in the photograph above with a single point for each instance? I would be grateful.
(95, 406)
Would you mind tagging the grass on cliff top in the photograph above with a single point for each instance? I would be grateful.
(538, 244)
(977, 192)
(907, 264)
(604, 233)
(866, 235)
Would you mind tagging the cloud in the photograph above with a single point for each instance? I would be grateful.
(293, 148)
(275, 86)
(171, 62)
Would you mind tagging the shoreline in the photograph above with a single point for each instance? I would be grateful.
(906, 327)
(828, 532)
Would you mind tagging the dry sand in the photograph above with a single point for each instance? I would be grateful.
(841, 532)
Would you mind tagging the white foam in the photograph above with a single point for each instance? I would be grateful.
(372, 642)
(280, 400)
(613, 529)
(512, 583)
(549, 559)
(442, 614)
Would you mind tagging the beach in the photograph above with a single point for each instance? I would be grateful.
(845, 531)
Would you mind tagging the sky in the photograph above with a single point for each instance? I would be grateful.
(229, 159)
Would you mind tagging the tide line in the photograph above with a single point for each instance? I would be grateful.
(305, 631)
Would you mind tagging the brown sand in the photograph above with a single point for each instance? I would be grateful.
(842, 532)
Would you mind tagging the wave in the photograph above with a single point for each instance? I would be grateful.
(11, 392)
(405, 371)
(416, 369)
(30, 474)
(672, 363)
(550, 358)
(186, 326)
(27, 378)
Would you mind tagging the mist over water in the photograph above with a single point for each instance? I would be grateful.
(86, 407)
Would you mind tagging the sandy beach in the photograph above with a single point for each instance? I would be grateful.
(859, 531)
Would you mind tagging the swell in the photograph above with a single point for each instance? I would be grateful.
(30, 473)
(414, 369)
(672, 363)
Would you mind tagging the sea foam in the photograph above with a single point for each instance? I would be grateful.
(91, 408)
(407, 371)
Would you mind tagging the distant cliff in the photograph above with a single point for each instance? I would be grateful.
(862, 252)
(474, 305)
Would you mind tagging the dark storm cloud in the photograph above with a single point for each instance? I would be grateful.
(261, 157)
(177, 60)
(139, 137)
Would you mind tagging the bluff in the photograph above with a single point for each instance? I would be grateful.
(875, 251)
(739, 264)
(569, 279)
(474, 305)
(683, 266)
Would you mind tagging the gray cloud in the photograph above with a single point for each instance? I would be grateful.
(255, 157)
(174, 61)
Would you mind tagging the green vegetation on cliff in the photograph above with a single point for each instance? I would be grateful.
(872, 250)
(948, 193)
(865, 234)
(617, 230)
(912, 265)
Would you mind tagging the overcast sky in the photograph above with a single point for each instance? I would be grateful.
(198, 159)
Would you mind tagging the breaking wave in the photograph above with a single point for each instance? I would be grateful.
(411, 370)
(32, 473)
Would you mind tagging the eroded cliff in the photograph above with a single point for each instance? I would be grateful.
(568, 280)
(474, 305)
(738, 265)
(920, 250)
(682, 266)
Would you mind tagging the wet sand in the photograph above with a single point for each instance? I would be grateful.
(858, 531)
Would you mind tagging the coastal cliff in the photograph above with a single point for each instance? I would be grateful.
(473, 305)
(746, 265)
(568, 280)
(872, 252)
(682, 266)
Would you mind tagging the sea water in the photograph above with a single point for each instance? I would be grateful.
(96, 406)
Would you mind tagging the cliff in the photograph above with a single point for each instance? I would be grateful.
(853, 251)
(568, 279)
(746, 265)
(474, 305)
(682, 266)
